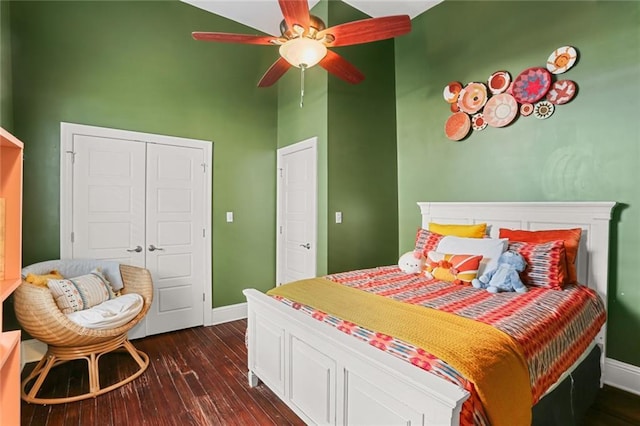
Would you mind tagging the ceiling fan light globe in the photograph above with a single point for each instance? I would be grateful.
(303, 52)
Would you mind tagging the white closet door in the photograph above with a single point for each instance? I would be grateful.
(108, 199)
(142, 204)
(174, 248)
(297, 195)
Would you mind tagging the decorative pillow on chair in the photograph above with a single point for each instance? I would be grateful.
(453, 268)
(470, 231)
(426, 241)
(570, 237)
(41, 280)
(83, 292)
(546, 263)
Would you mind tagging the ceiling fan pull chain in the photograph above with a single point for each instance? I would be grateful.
(302, 68)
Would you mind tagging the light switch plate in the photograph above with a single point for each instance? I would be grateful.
(338, 217)
(229, 217)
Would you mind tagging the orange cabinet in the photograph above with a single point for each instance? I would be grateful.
(10, 265)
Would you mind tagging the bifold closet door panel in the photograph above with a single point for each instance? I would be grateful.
(109, 199)
(175, 240)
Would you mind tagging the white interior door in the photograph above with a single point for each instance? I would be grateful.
(175, 185)
(297, 211)
(143, 200)
(108, 195)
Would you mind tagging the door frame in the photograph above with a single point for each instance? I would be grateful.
(311, 143)
(67, 132)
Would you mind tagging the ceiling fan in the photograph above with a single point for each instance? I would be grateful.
(305, 39)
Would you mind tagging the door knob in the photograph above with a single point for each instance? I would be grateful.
(154, 248)
(307, 246)
(138, 249)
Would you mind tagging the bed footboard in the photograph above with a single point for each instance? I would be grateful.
(328, 377)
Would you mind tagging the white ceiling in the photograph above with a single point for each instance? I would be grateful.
(265, 15)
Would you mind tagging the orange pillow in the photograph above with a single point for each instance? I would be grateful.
(453, 268)
(570, 237)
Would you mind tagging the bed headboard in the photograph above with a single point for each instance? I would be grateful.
(593, 217)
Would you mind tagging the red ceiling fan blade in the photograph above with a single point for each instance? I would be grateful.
(295, 12)
(341, 68)
(276, 71)
(366, 30)
(233, 38)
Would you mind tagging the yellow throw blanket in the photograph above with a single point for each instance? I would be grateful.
(486, 356)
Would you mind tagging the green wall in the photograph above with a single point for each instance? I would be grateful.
(355, 126)
(362, 159)
(133, 65)
(6, 113)
(588, 150)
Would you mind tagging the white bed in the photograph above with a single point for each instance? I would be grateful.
(328, 377)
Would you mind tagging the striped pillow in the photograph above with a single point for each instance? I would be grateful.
(546, 263)
(453, 268)
(426, 241)
(79, 293)
(570, 237)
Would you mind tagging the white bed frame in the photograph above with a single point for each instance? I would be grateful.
(328, 377)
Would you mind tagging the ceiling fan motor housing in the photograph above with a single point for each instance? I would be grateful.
(315, 25)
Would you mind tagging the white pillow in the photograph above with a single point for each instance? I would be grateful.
(489, 248)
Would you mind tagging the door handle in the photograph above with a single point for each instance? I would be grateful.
(307, 246)
(138, 249)
(154, 248)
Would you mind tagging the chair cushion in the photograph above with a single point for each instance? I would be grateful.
(77, 267)
(110, 314)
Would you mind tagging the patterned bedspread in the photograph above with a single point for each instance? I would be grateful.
(553, 327)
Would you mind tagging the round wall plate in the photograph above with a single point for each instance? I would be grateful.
(457, 126)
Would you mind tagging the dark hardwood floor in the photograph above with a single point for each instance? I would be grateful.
(614, 407)
(198, 377)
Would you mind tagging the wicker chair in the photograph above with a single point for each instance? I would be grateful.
(39, 315)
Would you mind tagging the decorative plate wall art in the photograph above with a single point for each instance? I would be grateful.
(543, 109)
(535, 91)
(561, 92)
(472, 98)
(478, 122)
(499, 82)
(531, 85)
(457, 126)
(526, 110)
(562, 59)
(500, 110)
(451, 92)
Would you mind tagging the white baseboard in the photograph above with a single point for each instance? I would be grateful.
(622, 376)
(229, 313)
(31, 350)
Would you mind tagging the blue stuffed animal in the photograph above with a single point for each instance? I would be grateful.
(505, 277)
